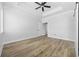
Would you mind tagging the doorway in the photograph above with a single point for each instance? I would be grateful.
(45, 28)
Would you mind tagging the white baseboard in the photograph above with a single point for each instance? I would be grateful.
(53, 36)
(21, 39)
(62, 38)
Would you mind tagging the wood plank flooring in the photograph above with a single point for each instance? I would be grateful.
(42, 46)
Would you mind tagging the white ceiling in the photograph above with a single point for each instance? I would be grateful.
(30, 6)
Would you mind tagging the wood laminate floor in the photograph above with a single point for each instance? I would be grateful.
(42, 46)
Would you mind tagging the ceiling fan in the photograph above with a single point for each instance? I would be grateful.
(42, 5)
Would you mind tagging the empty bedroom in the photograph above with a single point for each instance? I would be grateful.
(38, 29)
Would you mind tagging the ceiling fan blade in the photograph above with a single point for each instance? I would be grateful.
(38, 3)
(44, 3)
(43, 9)
(47, 6)
(38, 7)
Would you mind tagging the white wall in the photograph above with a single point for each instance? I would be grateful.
(0, 20)
(21, 22)
(62, 26)
(1, 43)
(1, 34)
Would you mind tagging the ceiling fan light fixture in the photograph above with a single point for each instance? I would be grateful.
(42, 5)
